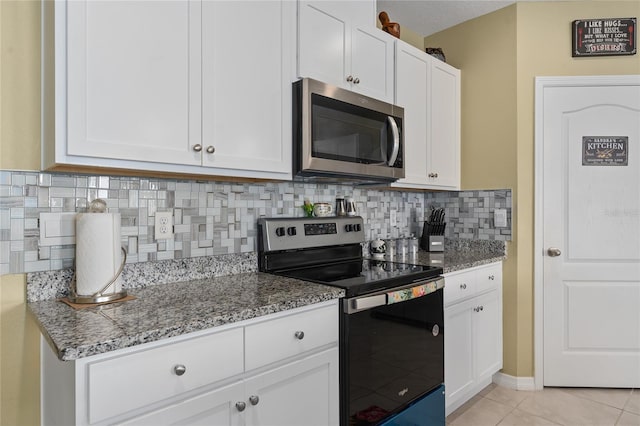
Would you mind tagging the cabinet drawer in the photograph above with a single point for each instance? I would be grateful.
(125, 383)
(459, 286)
(488, 277)
(274, 340)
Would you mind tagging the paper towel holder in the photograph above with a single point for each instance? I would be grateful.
(100, 296)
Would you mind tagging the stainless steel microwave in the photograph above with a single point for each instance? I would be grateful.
(339, 135)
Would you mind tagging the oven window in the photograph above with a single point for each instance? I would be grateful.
(395, 354)
(349, 133)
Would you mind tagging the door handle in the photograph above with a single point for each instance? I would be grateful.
(553, 252)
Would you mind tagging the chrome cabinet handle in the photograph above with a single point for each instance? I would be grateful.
(179, 369)
(553, 252)
(481, 307)
(463, 286)
(211, 149)
(240, 406)
(197, 147)
(491, 277)
(299, 335)
(349, 78)
(356, 80)
(433, 175)
(253, 399)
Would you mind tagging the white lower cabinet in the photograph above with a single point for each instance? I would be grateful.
(299, 393)
(473, 331)
(206, 377)
(217, 407)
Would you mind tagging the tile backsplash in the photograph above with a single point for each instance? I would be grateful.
(213, 218)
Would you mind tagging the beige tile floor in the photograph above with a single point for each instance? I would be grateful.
(496, 405)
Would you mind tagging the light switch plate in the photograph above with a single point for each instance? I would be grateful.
(57, 229)
(164, 225)
(500, 218)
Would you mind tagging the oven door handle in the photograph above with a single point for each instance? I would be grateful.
(392, 296)
(364, 303)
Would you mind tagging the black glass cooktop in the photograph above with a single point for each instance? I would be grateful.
(363, 276)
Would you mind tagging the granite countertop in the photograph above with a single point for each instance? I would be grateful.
(455, 260)
(196, 298)
(458, 254)
(168, 310)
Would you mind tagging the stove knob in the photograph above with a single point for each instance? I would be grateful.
(291, 230)
(280, 231)
(348, 227)
(357, 227)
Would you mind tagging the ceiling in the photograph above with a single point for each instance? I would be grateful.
(427, 17)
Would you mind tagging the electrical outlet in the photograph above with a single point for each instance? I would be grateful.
(393, 218)
(500, 218)
(164, 225)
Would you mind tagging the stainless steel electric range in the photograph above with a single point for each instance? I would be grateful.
(391, 320)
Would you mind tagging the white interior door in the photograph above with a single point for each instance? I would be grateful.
(591, 231)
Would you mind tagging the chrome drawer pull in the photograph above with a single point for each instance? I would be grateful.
(253, 399)
(179, 369)
(240, 406)
(299, 335)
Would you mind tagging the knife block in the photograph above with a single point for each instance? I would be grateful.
(433, 237)
(435, 243)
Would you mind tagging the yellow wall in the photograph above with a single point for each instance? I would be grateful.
(499, 55)
(20, 85)
(19, 356)
(489, 127)
(20, 150)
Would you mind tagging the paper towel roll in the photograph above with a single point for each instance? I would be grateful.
(98, 253)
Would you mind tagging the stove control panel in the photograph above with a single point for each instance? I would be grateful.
(295, 233)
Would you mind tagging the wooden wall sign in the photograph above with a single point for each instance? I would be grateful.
(605, 150)
(604, 37)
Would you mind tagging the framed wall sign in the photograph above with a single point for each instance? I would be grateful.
(605, 150)
(604, 37)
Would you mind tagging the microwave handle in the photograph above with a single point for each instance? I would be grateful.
(396, 141)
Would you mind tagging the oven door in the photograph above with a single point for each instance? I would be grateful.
(392, 351)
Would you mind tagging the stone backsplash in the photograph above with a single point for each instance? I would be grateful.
(213, 218)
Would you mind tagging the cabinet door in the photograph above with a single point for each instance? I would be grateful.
(488, 334)
(304, 392)
(412, 69)
(458, 350)
(444, 126)
(324, 42)
(372, 63)
(129, 80)
(217, 407)
(247, 70)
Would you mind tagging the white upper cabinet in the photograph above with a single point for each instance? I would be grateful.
(171, 86)
(429, 91)
(248, 55)
(412, 77)
(444, 126)
(339, 44)
(128, 80)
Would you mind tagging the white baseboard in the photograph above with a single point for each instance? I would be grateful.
(513, 382)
